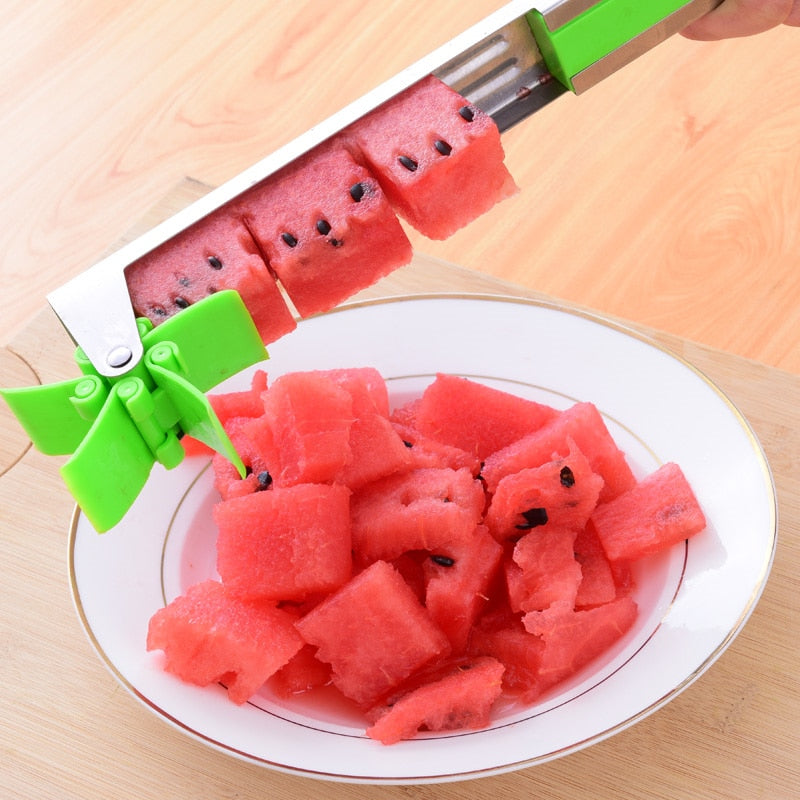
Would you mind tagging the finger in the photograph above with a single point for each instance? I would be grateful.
(741, 18)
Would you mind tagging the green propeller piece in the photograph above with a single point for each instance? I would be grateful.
(116, 429)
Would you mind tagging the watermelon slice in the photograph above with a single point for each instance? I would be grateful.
(208, 636)
(357, 630)
(434, 510)
(216, 253)
(561, 493)
(303, 435)
(285, 543)
(582, 424)
(461, 699)
(660, 511)
(479, 419)
(325, 228)
(428, 146)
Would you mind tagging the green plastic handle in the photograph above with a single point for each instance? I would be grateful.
(596, 33)
(116, 429)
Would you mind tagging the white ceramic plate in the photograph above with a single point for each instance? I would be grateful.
(693, 601)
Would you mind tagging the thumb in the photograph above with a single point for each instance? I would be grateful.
(743, 18)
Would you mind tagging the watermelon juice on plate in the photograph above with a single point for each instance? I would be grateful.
(692, 599)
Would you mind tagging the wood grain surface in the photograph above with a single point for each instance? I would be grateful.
(666, 196)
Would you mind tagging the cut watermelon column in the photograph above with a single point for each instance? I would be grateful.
(438, 158)
(215, 253)
(325, 228)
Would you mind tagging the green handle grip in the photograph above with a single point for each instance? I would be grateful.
(583, 45)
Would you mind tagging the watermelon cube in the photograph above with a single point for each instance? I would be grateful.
(325, 228)
(285, 543)
(561, 493)
(376, 451)
(426, 509)
(374, 633)
(547, 570)
(457, 586)
(477, 418)
(583, 424)
(215, 253)
(304, 433)
(460, 699)
(438, 158)
(208, 636)
(520, 652)
(574, 638)
(364, 384)
(660, 511)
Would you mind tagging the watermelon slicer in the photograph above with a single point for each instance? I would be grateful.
(116, 429)
(142, 388)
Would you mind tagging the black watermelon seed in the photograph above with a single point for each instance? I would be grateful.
(323, 226)
(264, 480)
(357, 191)
(408, 163)
(212, 290)
(407, 444)
(289, 239)
(181, 302)
(443, 561)
(466, 113)
(214, 262)
(184, 281)
(567, 477)
(534, 517)
(158, 311)
(336, 242)
(442, 147)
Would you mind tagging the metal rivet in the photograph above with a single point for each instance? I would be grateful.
(119, 357)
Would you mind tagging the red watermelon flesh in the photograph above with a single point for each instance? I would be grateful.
(426, 509)
(477, 418)
(208, 636)
(574, 638)
(302, 673)
(561, 493)
(598, 584)
(660, 511)
(285, 543)
(457, 586)
(364, 384)
(428, 146)
(548, 572)
(325, 228)
(427, 452)
(214, 254)
(304, 434)
(459, 700)
(376, 451)
(359, 628)
(583, 424)
(520, 653)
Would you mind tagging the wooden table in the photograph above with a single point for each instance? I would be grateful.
(666, 196)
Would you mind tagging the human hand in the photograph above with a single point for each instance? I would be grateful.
(744, 18)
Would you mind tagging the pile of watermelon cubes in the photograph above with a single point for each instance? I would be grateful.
(425, 560)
